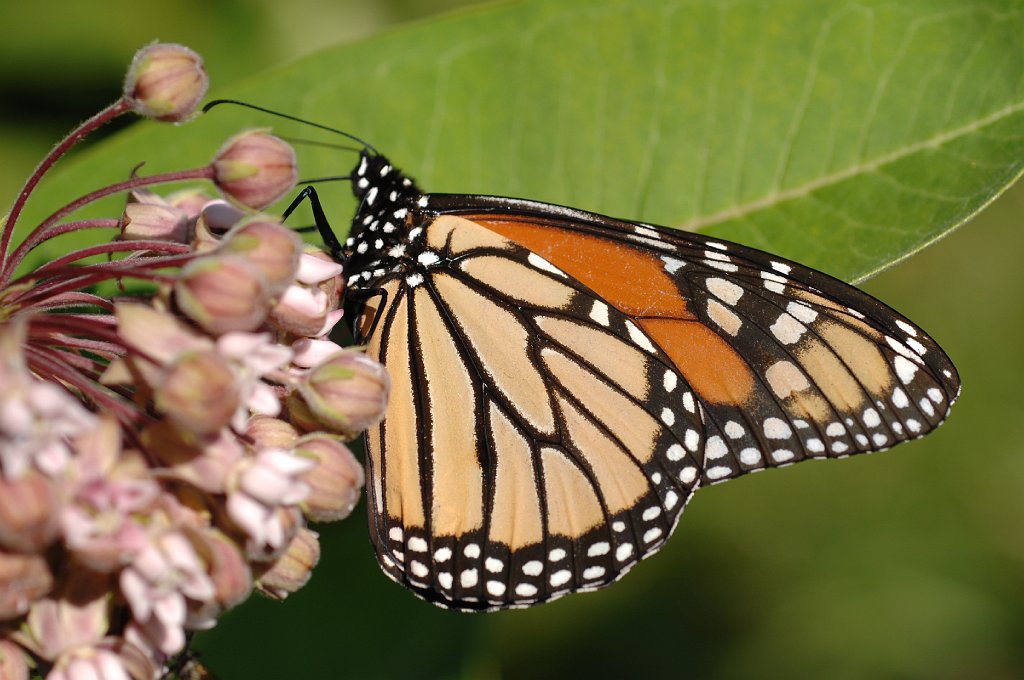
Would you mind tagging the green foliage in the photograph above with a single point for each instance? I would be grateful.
(843, 136)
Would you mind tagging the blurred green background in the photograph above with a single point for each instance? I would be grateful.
(904, 565)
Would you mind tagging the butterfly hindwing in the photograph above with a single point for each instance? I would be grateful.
(526, 452)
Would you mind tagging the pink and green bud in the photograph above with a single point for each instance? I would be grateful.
(154, 222)
(223, 294)
(14, 663)
(292, 569)
(23, 580)
(271, 433)
(274, 249)
(347, 393)
(255, 169)
(198, 393)
(227, 568)
(166, 82)
(29, 513)
(309, 307)
(78, 616)
(336, 481)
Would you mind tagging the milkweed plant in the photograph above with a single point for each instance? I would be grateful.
(172, 410)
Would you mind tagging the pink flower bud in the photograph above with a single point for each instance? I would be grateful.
(198, 393)
(223, 294)
(23, 579)
(334, 483)
(274, 249)
(301, 310)
(78, 616)
(292, 569)
(166, 82)
(204, 464)
(271, 433)
(28, 513)
(255, 169)
(13, 661)
(347, 393)
(152, 222)
(227, 568)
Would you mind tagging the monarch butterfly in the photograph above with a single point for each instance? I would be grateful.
(562, 382)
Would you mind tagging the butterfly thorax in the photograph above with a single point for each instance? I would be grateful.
(379, 240)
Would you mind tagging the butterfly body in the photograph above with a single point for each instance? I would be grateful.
(563, 382)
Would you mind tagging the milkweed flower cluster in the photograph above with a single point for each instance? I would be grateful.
(161, 452)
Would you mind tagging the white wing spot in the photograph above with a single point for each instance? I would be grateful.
(926, 407)
(815, 445)
(672, 265)
(871, 418)
(493, 565)
(590, 573)
(540, 263)
(916, 346)
(526, 590)
(802, 312)
(913, 425)
(899, 398)
(835, 430)
(905, 369)
(935, 394)
(395, 533)
(417, 544)
(724, 317)
(496, 588)
(533, 568)
(670, 381)
(718, 472)
(652, 535)
(734, 430)
(750, 456)
(560, 578)
(716, 244)
(445, 579)
(599, 312)
(787, 329)
(724, 290)
(675, 452)
(688, 474)
(776, 428)
(861, 439)
(598, 549)
(556, 555)
(646, 231)
(782, 455)
(472, 551)
(879, 439)
(618, 526)
(906, 328)
(839, 447)
(427, 258)
(671, 498)
(715, 448)
(668, 417)
(442, 554)
(651, 513)
(638, 337)
(688, 403)
(623, 552)
(418, 569)
(414, 279)
(468, 578)
(781, 268)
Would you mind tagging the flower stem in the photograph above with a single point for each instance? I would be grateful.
(205, 172)
(106, 115)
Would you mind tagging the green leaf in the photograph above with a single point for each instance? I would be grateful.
(842, 135)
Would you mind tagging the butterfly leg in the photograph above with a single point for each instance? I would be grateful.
(361, 297)
(320, 218)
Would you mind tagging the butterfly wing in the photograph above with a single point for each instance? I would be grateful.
(525, 453)
(563, 382)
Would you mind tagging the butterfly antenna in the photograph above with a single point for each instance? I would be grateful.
(296, 141)
(329, 178)
(218, 102)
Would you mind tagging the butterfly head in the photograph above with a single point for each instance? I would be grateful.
(388, 202)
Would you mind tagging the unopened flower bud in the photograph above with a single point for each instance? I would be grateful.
(274, 249)
(77, 616)
(309, 307)
(153, 222)
(166, 82)
(205, 464)
(271, 433)
(292, 569)
(223, 294)
(198, 393)
(28, 512)
(23, 579)
(255, 168)
(347, 393)
(13, 662)
(335, 482)
(226, 566)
